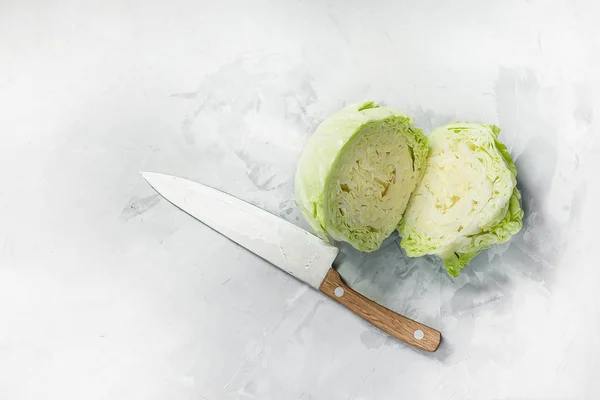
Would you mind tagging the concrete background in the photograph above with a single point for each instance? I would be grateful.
(109, 292)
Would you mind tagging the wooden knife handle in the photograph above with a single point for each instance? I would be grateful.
(397, 325)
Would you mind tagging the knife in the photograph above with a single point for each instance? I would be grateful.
(292, 249)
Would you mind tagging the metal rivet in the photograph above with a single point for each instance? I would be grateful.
(419, 334)
(339, 291)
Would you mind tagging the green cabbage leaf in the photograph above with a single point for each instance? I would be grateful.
(357, 172)
(467, 199)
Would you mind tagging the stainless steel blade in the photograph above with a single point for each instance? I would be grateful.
(282, 243)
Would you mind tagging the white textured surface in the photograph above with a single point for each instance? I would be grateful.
(108, 291)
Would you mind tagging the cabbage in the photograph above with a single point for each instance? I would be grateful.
(356, 174)
(467, 200)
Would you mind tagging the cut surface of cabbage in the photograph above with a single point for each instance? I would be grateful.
(357, 172)
(467, 199)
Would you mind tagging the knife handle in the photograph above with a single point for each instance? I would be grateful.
(399, 326)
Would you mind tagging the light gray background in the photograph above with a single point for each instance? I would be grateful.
(109, 292)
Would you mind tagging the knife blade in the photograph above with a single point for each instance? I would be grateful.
(287, 246)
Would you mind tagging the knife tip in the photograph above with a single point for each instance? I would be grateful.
(154, 177)
(148, 176)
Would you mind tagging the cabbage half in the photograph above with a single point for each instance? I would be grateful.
(357, 172)
(467, 199)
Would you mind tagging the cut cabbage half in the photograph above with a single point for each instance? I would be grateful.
(357, 172)
(467, 199)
